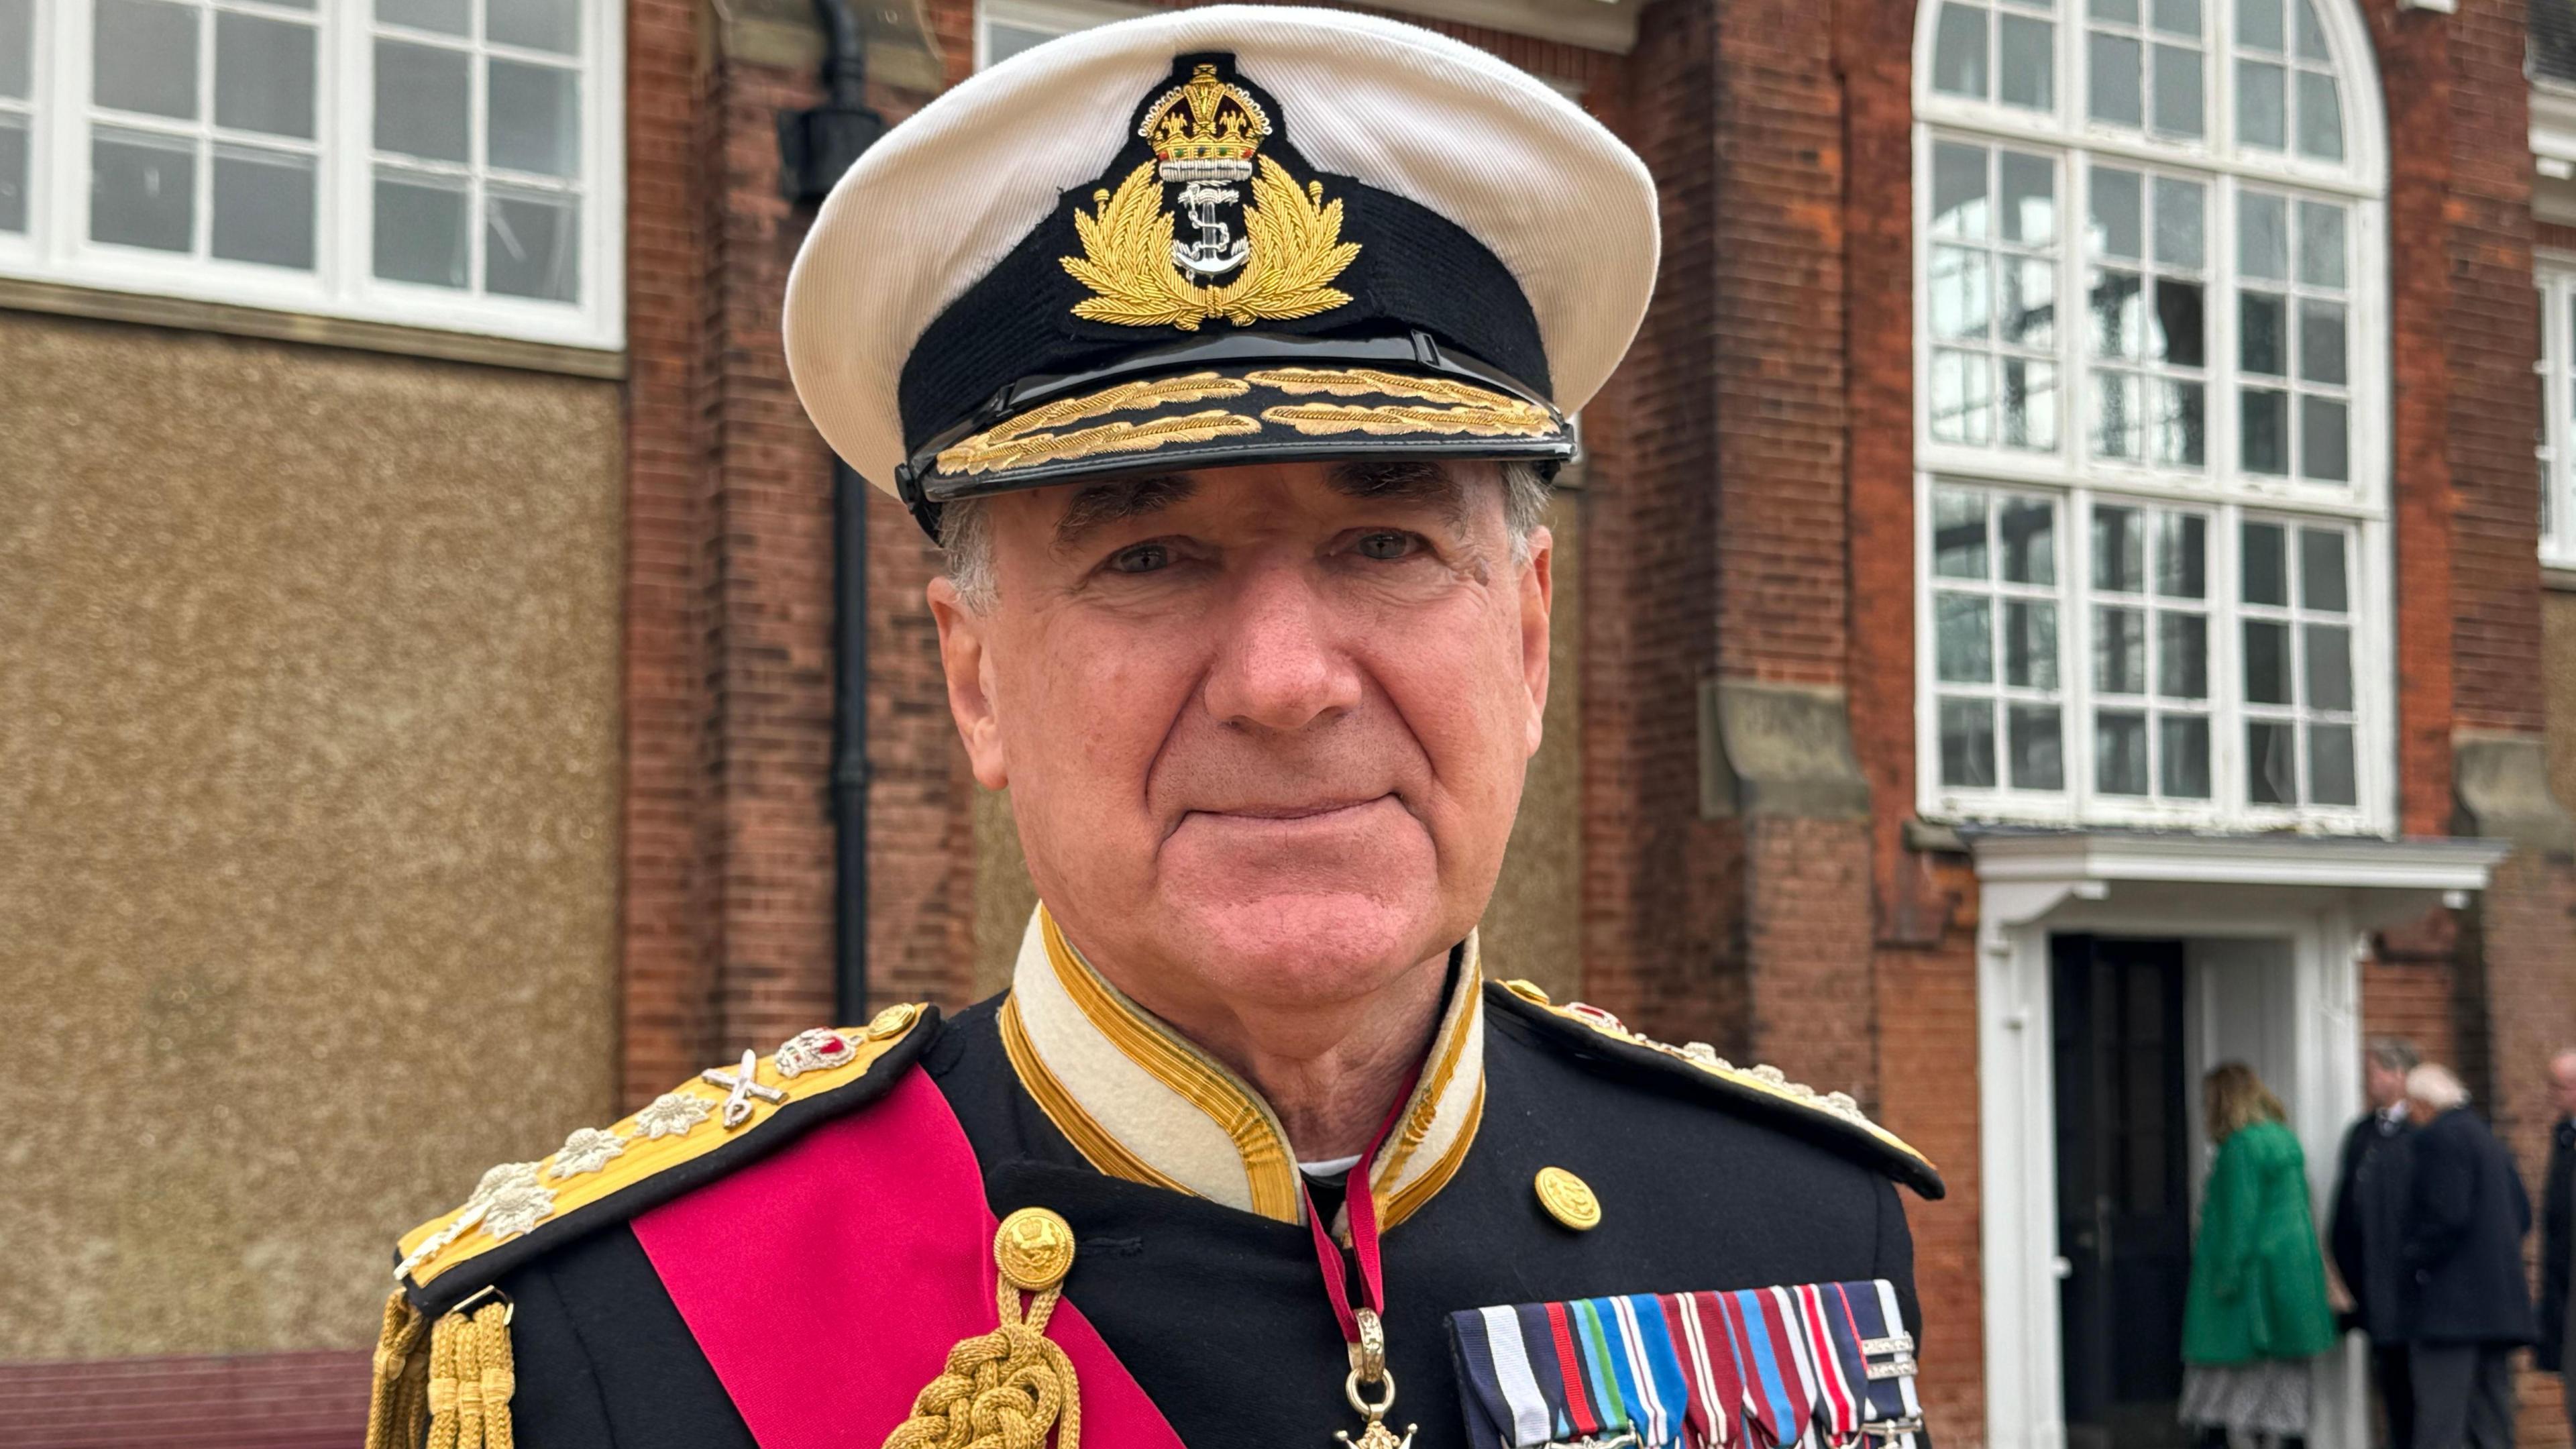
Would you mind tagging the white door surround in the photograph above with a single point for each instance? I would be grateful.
(2241, 902)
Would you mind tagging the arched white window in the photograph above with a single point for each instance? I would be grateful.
(2151, 404)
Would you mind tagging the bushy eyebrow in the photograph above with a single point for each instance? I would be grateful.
(1117, 501)
(1405, 480)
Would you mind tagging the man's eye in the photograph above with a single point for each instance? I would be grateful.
(1386, 547)
(1144, 558)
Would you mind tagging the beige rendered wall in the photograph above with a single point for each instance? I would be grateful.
(308, 748)
(1533, 927)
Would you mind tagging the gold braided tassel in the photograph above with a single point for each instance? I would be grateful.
(471, 1380)
(398, 1408)
(1005, 1389)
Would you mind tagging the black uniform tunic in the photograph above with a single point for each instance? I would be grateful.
(1221, 1315)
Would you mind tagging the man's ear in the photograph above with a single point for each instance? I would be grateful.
(965, 657)
(1538, 600)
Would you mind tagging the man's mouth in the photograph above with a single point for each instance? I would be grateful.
(1306, 810)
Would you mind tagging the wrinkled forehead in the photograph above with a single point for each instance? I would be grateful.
(1453, 489)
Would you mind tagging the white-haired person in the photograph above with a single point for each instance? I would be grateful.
(2468, 1307)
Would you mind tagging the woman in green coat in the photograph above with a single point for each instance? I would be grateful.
(2256, 1312)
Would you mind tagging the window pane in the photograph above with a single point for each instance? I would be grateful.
(2119, 422)
(1964, 641)
(2312, 36)
(2178, 334)
(2321, 342)
(1967, 744)
(1958, 533)
(2267, 662)
(2030, 404)
(142, 191)
(13, 175)
(2030, 199)
(2262, 336)
(2118, 328)
(2030, 645)
(2178, 104)
(2027, 528)
(420, 231)
(2038, 763)
(2115, 213)
(145, 58)
(2119, 549)
(531, 246)
(2320, 117)
(2258, 24)
(537, 24)
(2320, 244)
(2182, 424)
(2325, 452)
(17, 39)
(263, 75)
(2120, 650)
(2263, 420)
(2182, 656)
(2271, 762)
(2119, 752)
(2329, 666)
(422, 100)
(1959, 191)
(1958, 51)
(2028, 62)
(1001, 41)
(2122, 12)
(2029, 313)
(2184, 771)
(2113, 78)
(2261, 106)
(2182, 556)
(2330, 771)
(2179, 221)
(1958, 303)
(263, 210)
(1962, 397)
(2321, 580)
(2178, 17)
(535, 118)
(2262, 242)
(2266, 569)
(447, 17)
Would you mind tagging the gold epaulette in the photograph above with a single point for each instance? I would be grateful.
(1763, 1084)
(453, 1381)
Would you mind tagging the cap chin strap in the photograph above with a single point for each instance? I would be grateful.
(1416, 351)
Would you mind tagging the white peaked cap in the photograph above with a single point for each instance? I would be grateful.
(948, 194)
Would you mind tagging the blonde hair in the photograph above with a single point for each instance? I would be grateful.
(2235, 1099)
(2437, 1087)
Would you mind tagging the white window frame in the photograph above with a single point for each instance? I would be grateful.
(1057, 17)
(2072, 143)
(56, 246)
(2554, 275)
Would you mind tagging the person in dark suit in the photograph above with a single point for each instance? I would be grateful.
(2364, 1231)
(2557, 1224)
(2469, 1308)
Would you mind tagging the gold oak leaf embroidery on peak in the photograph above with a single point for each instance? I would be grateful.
(1020, 441)
(1296, 253)
(1472, 410)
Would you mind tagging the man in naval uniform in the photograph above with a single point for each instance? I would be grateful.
(1227, 352)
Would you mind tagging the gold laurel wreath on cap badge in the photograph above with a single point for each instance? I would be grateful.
(1205, 133)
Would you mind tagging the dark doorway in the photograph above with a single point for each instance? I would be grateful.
(2123, 1187)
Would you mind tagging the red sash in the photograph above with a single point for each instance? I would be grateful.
(827, 1283)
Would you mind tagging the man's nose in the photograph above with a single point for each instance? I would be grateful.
(1279, 663)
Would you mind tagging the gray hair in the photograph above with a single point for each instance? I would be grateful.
(2393, 1054)
(966, 533)
(2437, 1087)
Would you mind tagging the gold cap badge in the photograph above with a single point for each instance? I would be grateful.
(1568, 1199)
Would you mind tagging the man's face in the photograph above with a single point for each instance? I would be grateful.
(2386, 1085)
(2562, 1083)
(1264, 727)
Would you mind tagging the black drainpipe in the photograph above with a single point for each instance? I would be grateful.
(814, 148)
